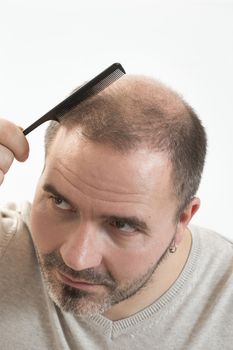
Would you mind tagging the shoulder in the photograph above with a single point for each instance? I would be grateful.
(14, 218)
(212, 282)
(215, 257)
(212, 241)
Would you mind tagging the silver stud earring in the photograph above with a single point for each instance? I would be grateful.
(173, 247)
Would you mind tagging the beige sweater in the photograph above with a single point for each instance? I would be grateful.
(196, 313)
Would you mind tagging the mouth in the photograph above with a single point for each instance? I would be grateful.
(79, 284)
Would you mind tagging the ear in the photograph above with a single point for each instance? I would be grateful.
(185, 218)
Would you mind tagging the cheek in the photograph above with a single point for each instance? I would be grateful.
(128, 265)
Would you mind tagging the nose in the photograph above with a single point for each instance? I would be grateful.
(82, 250)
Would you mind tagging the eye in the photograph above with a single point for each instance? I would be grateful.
(61, 203)
(122, 225)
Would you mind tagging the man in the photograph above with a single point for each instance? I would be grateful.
(104, 258)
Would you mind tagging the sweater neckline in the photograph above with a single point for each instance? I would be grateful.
(157, 305)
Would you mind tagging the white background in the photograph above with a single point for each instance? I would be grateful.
(50, 47)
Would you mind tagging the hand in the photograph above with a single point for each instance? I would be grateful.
(13, 144)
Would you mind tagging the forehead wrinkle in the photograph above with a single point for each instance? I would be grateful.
(93, 186)
(101, 199)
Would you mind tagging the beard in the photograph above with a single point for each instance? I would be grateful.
(84, 302)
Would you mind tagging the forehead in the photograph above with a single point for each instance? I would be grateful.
(100, 166)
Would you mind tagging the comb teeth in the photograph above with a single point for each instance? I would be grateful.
(94, 90)
(104, 83)
(91, 88)
(91, 91)
(107, 81)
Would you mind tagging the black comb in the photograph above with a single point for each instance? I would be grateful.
(91, 88)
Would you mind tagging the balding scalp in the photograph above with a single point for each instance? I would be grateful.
(139, 111)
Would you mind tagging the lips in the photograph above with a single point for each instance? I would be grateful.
(79, 284)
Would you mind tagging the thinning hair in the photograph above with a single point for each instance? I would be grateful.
(135, 112)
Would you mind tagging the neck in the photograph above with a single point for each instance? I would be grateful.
(164, 277)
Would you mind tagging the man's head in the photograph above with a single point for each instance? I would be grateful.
(120, 174)
(139, 111)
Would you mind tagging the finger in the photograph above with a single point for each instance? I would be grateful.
(1, 177)
(13, 138)
(6, 158)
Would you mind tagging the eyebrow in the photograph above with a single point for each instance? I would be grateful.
(52, 189)
(130, 220)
